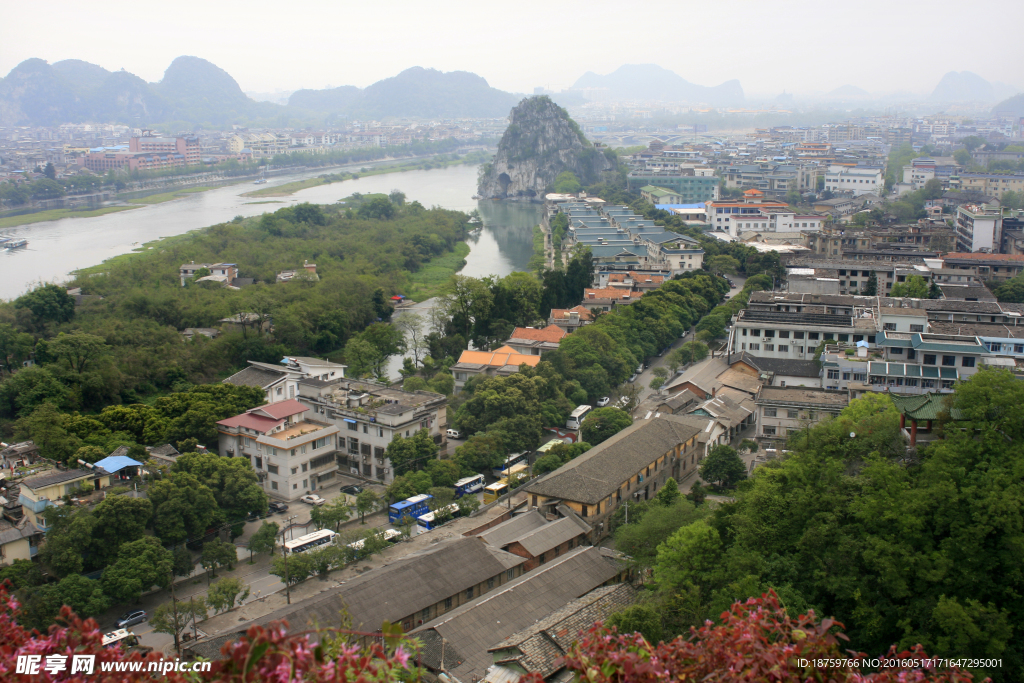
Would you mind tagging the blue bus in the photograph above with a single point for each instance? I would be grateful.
(469, 485)
(410, 507)
(447, 514)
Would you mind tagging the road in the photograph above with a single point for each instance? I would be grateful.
(645, 377)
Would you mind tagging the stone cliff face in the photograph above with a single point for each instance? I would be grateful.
(541, 141)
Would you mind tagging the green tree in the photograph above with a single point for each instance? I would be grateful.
(48, 303)
(412, 453)
(871, 288)
(173, 619)
(182, 561)
(642, 619)
(603, 423)
(1010, 291)
(22, 574)
(481, 453)
(49, 171)
(723, 466)
(264, 540)
(367, 501)
(183, 508)
(963, 158)
(331, 515)
(67, 540)
(140, 565)
(120, 521)
(379, 208)
(650, 526)
(916, 287)
(232, 480)
(567, 183)
(223, 594)
(217, 553)
(723, 264)
(669, 493)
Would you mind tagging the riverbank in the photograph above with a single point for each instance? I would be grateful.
(429, 280)
(57, 214)
(420, 164)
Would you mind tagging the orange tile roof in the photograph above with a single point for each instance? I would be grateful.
(551, 333)
(563, 313)
(752, 192)
(498, 358)
(606, 293)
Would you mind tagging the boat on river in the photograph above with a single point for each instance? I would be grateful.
(12, 244)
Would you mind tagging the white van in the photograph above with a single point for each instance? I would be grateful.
(453, 434)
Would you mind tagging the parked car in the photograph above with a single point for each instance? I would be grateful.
(313, 499)
(131, 618)
(453, 434)
(639, 368)
(276, 507)
(633, 377)
(602, 402)
(623, 402)
(352, 490)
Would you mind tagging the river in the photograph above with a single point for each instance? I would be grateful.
(56, 248)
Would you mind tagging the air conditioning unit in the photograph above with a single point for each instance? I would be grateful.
(764, 339)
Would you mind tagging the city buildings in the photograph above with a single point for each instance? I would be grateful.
(978, 228)
(785, 411)
(855, 180)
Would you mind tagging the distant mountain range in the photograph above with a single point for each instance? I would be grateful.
(197, 92)
(966, 86)
(414, 92)
(652, 82)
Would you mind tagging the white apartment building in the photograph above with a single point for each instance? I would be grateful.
(857, 180)
(978, 228)
(367, 416)
(292, 455)
(281, 382)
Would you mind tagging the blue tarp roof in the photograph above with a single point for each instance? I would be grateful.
(116, 463)
(666, 207)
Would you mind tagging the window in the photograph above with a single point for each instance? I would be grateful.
(769, 347)
(860, 376)
(380, 431)
(378, 452)
(783, 348)
(352, 426)
(911, 354)
(967, 362)
(510, 574)
(305, 468)
(917, 328)
(364, 448)
(570, 543)
(305, 482)
(425, 614)
(812, 335)
(447, 603)
(586, 511)
(769, 333)
(844, 337)
(896, 351)
(755, 347)
(792, 413)
(833, 373)
(768, 431)
(755, 333)
(295, 470)
(469, 593)
(295, 486)
(949, 361)
(273, 485)
(490, 583)
(798, 349)
(798, 335)
(891, 327)
(366, 429)
(322, 442)
(744, 332)
(770, 412)
(272, 469)
(259, 462)
(783, 334)
(353, 445)
(542, 558)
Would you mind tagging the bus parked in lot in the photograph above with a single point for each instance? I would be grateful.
(577, 416)
(493, 492)
(446, 514)
(389, 535)
(310, 541)
(410, 507)
(510, 462)
(469, 485)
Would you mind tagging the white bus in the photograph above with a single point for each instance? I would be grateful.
(389, 535)
(121, 636)
(469, 485)
(426, 522)
(310, 541)
(576, 418)
(510, 462)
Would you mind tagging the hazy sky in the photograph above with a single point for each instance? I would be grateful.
(794, 45)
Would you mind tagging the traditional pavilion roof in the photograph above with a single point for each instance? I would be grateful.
(923, 406)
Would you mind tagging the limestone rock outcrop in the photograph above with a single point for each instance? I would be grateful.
(541, 141)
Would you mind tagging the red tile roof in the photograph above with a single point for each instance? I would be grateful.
(563, 313)
(985, 257)
(257, 423)
(607, 293)
(281, 410)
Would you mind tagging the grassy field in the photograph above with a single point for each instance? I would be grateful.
(433, 276)
(168, 196)
(268, 201)
(57, 214)
(286, 189)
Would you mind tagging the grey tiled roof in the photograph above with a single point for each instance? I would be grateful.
(598, 473)
(552, 535)
(58, 477)
(783, 366)
(543, 643)
(469, 630)
(502, 534)
(404, 587)
(254, 377)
